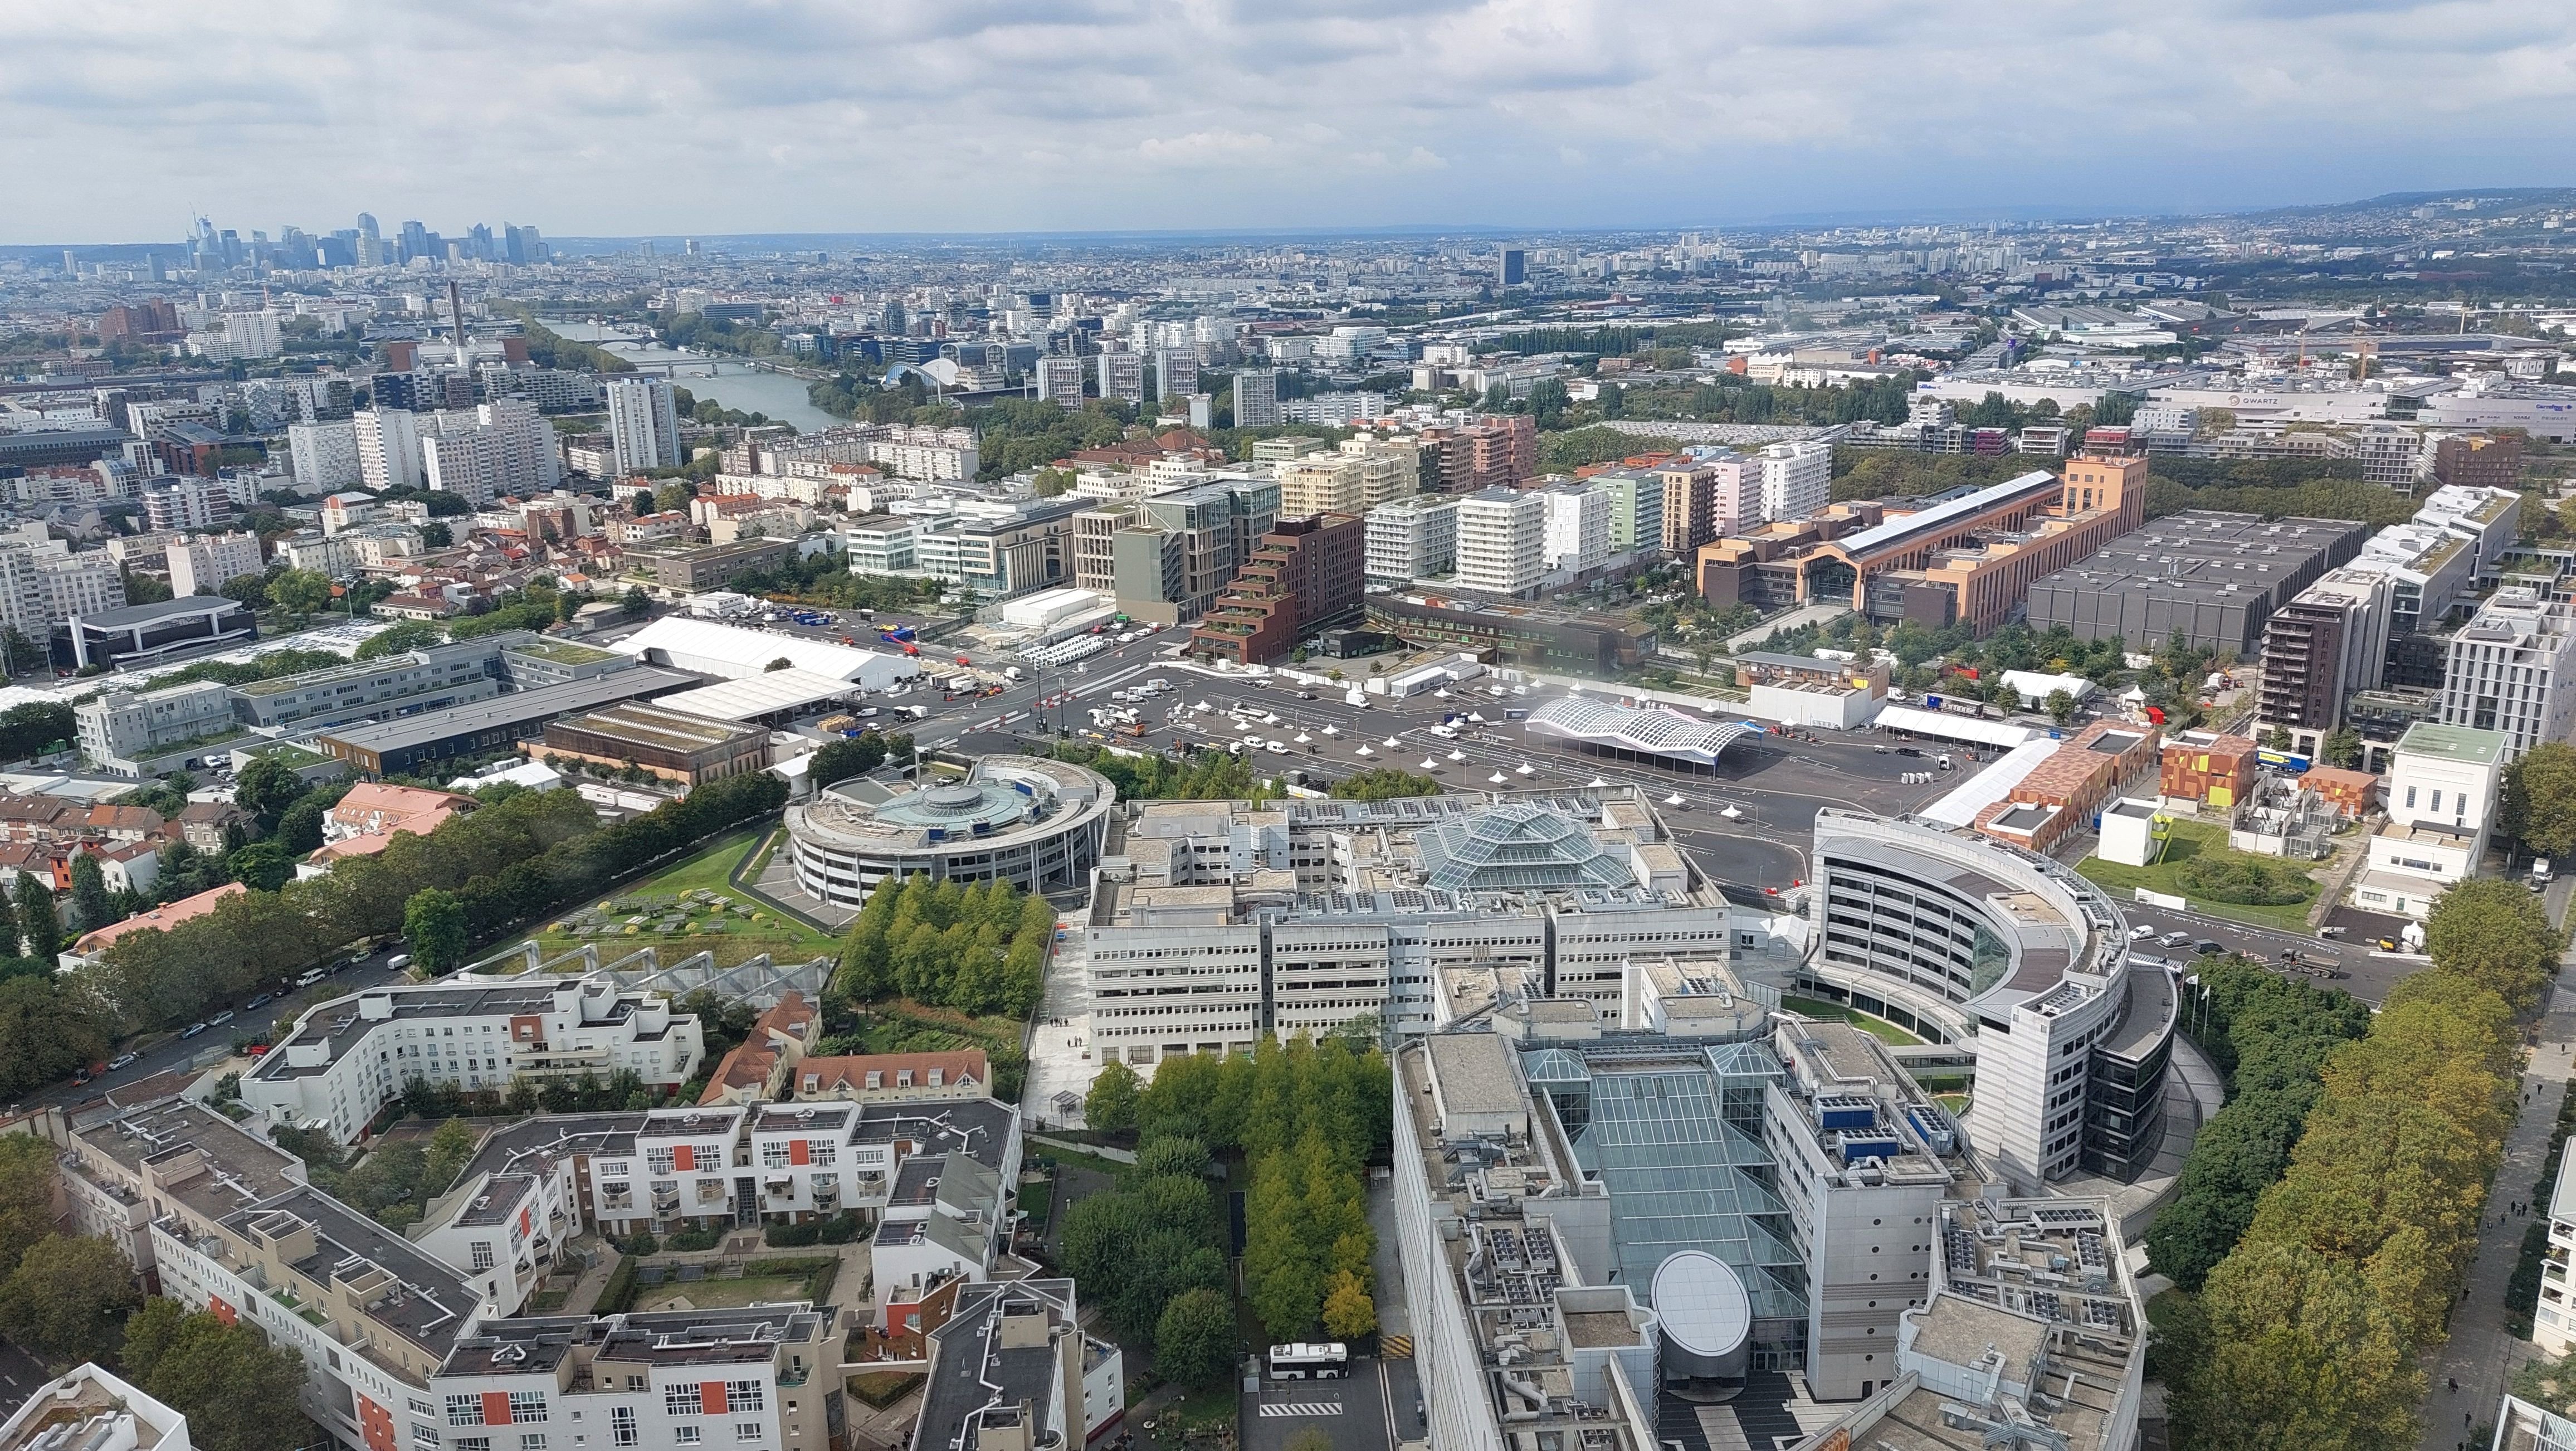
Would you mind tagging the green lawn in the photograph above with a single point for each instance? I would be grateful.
(740, 927)
(722, 1294)
(2190, 839)
(1879, 1028)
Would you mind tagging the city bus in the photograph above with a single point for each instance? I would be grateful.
(1328, 1361)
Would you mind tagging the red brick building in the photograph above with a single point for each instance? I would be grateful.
(1305, 575)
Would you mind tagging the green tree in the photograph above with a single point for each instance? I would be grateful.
(28, 1175)
(1384, 784)
(450, 1149)
(434, 924)
(2491, 932)
(2537, 805)
(90, 907)
(1110, 1106)
(301, 591)
(234, 1388)
(1194, 1341)
(2060, 706)
(781, 663)
(2341, 747)
(266, 787)
(400, 639)
(1349, 1312)
(149, 1333)
(636, 603)
(37, 921)
(68, 1299)
(262, 865)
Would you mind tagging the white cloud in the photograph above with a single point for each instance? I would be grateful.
(621, 116)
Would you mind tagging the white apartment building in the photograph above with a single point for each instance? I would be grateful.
(1578, 527)
(531, 460)
(45, 585)
(1322, 483)
(350, 1055)
(2442, 783)
(388, 442)
(466, 463)
(1412, 538)
(2553, 1323)
(2392, 454)
(123, 726)
(1797, 479)
(1122, 376)
(325, 455)
(1736, 500)
(2512, 669)
(1502, 540)
(1059, 381)
(201, 563)
(643, 425)
(1256, 398)
(89, 1409)
(187, 503)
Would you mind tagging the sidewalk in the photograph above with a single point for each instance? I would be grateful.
(2479, 1354)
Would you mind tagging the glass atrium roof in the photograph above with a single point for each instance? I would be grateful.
(1517, 847)
(1681, 1173)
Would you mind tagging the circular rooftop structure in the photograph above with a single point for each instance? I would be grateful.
(1036, 823)
(1702, 1305)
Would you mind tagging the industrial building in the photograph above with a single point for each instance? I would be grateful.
(2214, 577)
(142, 634)
(394, 747)
(1580, 644)
(733, 652)
(1037, 824)
(1969, 556)
(685, 750)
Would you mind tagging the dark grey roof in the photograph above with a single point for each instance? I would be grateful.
(127, 616)
(519, 707)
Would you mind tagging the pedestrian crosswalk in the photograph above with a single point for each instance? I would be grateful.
(1271, 1409)
(1395, 1347)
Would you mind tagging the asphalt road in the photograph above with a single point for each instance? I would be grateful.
(163, 1052)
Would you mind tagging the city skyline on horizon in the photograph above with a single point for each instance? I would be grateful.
(1112, 119)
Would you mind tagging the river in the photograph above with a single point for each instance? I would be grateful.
(729, 381)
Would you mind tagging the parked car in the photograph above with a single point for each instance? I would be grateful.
(2174, 939)
(220, 1019)
(192, 1030)
(2141, 932)
(263, 1000)
(122, 1061)
(2207, 948)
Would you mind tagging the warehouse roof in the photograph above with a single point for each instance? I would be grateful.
(519, 707)
(737, 653)
(755, 696)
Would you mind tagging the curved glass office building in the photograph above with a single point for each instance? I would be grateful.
(1034, 823)
(1986, 945)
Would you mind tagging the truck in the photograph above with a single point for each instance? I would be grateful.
(1010, 672)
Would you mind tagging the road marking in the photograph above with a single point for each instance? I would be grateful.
(1395, 1347)
(1271, 1409)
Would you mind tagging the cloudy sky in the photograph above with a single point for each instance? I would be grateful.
(620, 117)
